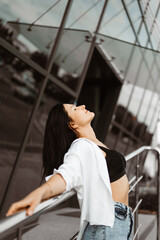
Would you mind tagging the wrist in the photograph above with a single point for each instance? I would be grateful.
(46, 190)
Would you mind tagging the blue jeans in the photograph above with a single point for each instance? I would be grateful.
(121, 230)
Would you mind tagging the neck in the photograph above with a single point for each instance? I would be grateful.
(87, 132)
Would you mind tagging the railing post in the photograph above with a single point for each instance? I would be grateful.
(158, 196)
(136, 198)
(19, 233)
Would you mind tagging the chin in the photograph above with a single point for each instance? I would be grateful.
(93, 114)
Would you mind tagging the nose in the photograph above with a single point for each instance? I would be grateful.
(83, 106)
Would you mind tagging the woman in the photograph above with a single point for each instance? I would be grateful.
(88, 166)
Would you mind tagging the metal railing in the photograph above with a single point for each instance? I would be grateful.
(137, 178)
(18, 221)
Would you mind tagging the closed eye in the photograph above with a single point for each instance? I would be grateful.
(74, 108)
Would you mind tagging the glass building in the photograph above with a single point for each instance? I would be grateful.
(104, 54)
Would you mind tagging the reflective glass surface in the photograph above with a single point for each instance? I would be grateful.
(125, 94)
(157, 20)
(119, 52)
(132, 62)
(18, 91)
(155, 38)
(71, 56)
(30, 167)
(152, 109)
(115, 22)
(145, 106)
(43, 12)
(71, 53)
(19, 86)
(143, 37)
(153, 6)
(85, 14)
(150, 14)
(135, 14)
(153, 124)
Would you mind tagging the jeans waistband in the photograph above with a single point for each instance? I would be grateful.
(125, 207)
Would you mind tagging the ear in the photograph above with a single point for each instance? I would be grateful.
(73, 125)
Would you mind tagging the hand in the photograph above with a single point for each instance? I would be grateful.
(30, 202)
(55, 186)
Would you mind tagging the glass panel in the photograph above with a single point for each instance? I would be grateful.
(145, 105)
(30, 166)
(152, 27)
(85, 14)
(134, 14)
(115, 22)
(34, 41)
(144, 5)
(71, 56)
(158, 19)
(152, 109)
(119, 52)
(139, 74)
(155, 72)
(135, 101)
(154, 122)
(18, 92)
(149, 45)
(153, 6)
(29, 11)
(35, 44)
(125, 94)
(74, 45)
(40, 38)
(123, 56)
(155, 38)
(143, 37)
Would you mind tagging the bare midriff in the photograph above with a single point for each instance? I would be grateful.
(120, 190)
(119, 187)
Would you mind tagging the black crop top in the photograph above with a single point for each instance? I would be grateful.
(116, 163)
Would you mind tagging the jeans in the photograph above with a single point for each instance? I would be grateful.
(121, 230)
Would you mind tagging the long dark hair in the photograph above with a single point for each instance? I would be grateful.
(57, 140)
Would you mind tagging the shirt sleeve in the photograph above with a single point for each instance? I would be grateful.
(70, 170)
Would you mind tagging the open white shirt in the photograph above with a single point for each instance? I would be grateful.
(85, 170)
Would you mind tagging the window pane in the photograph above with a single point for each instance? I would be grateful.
(143, 37)
(115, 22)
(29, 11)
(71, 56)
(30, 167)
(152, 109)
(18, 92)
(85, 14)
(135, 14)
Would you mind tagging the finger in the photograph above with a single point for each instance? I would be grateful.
(16, 206)
(32, 207)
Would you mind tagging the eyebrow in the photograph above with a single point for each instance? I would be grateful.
(73, 105)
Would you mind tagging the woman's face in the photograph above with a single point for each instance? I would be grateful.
(79, 114)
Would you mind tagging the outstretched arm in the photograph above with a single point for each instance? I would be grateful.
(55, 186)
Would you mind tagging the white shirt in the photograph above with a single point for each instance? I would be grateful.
(85, 170)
